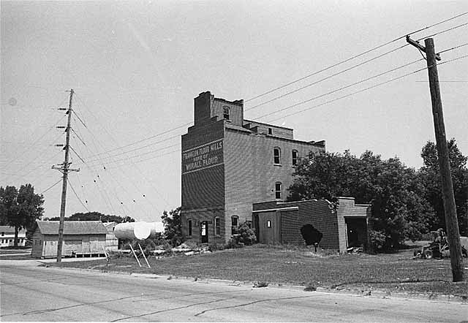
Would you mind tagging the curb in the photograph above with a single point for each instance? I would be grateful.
(382, 294)
(348, 291)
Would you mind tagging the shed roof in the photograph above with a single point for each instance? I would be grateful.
(7, 229)
(72, 227)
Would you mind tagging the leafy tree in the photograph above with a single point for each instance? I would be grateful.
(20, 208)
(173, 227)
(430, 177)
(395, 192)
(95, 216)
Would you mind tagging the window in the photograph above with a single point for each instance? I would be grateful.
(217, 226)
(226, 114)
(295, 156)
(278, 190)
(270, 131)
(189, 227)
(234, 224)
(277, 155)
(268, 224)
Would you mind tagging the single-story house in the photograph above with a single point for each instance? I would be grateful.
(80, 238)
(337, 227)
(7, 236)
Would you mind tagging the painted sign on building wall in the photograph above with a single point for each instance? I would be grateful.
(201, 157)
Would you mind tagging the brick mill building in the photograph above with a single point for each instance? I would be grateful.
(228, 164)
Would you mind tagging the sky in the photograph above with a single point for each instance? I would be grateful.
(339, 71)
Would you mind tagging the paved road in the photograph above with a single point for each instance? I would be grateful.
(30, 293)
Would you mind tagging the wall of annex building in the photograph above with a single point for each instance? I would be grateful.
(316, 213)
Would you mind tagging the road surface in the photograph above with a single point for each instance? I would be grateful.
(31, 293)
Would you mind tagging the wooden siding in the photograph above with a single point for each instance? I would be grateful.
(46, 246)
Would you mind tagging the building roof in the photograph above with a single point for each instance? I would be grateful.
(7, 229)
(72, 227)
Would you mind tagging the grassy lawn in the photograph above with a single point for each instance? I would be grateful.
(396, 272)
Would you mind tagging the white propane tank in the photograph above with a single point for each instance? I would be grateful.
(136, 230)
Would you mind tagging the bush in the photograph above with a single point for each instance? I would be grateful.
(215, 247)
(378, 240)
(234, 243)
(244, 235)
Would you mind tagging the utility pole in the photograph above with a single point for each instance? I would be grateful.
(453, 233)
(64, 168)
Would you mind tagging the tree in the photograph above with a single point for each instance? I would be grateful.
(173, 226)
(399, 211)
(20, 208)
(430, 177)
(95, 216)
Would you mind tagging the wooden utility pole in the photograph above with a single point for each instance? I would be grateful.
(64, 168)
(453, 233)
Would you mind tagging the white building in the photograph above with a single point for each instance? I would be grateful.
(7, 237)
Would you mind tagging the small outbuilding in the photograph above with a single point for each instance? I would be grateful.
(80, 238)
(112, 243)
(313, 222)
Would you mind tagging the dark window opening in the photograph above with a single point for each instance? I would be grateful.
(294, 157)
(226, 114)
(234, 224)
(217, 226)
(189, 227)
(278, 190)
(277, 155)
(270, 131)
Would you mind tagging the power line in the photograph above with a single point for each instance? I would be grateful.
(328, 77)
(143, 154)
(354, 57)
(71, 186)
(307, 76)
(311, 99)
(366, 89)
(443, 31)
(123, 173)
(453, 48)
(50, 187)
(144, 139)
(35, 141)
(132, 150)
(341, 88)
